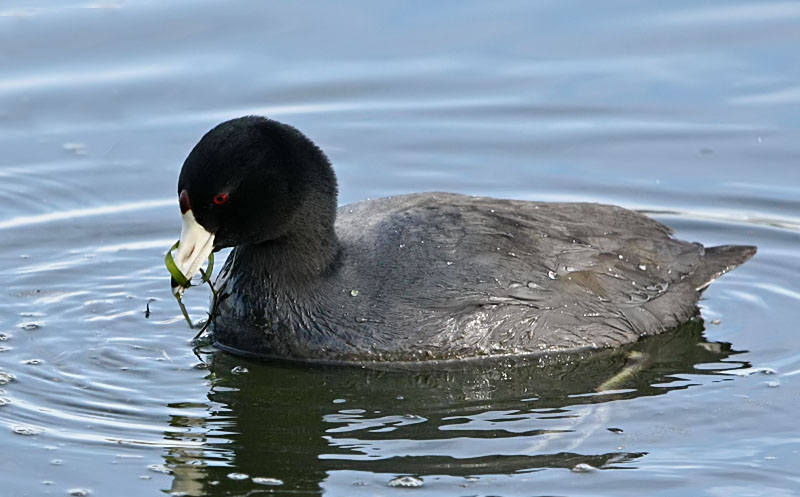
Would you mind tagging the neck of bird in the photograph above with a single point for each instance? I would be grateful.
(293, 261)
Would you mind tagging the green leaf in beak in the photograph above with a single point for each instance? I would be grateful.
(184, 282)
(176, 273)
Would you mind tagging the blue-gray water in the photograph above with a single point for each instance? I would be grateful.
(687, 110)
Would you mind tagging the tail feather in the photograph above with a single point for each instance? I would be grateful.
(718, 261)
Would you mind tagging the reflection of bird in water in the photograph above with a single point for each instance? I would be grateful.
(302, 425)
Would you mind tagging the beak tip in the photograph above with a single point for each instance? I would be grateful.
(177, 289)
(194, 247)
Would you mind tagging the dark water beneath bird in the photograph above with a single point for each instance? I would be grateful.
(689, 111)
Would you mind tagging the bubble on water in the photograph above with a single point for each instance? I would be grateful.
(79, 492)
(32, 314)
(773, 384)
(201, 365)
(643, 267)
(552, 275)
(159, 468)
(240, 370)
(354, 293)
(6, 378)
(449, 263)
(4, 337)
(27, 430)
(145, 477)
(267, 481)
(238, 476)
(76, 148)
(583, 468)
(32, 362)
(30, 325)
(57, 462)
(47, 482)
(339, 401)
(406, 482)
(715, 321)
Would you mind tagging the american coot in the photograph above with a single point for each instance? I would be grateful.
(428, 276)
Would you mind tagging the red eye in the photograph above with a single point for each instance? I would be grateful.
(221, 198)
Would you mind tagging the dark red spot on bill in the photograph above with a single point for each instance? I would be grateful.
(184, 201)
